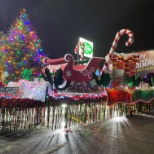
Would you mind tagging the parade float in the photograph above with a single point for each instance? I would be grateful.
(120, 81)
(79, 80)
(88, 86)
(119, 78)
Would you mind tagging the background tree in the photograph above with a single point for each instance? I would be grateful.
(25, 50)
(4, 56)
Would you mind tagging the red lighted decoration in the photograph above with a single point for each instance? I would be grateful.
(115, 42)
(2, 84)
(126, 62)
(21, 103)
(119, 96)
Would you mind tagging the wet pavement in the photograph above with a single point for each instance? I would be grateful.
(120, 135)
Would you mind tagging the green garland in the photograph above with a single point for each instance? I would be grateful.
(151, 81)
(103, 80)
(48, 76)
(83, 61)
(58, 79)
(133, 81)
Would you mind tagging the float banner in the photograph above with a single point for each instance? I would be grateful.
(146, 63)
(88, 48)
(119, 96)
(143, 95)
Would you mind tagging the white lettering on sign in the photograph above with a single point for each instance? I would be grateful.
(144, 61)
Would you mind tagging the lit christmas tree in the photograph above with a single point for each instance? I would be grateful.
(4, 56)
(25, 50)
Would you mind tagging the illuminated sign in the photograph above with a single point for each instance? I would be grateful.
(88, 48)
(146, 63)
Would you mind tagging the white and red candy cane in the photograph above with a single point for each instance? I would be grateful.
(115, 42)
(76, 50)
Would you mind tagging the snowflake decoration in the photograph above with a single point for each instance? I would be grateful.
(68, 73)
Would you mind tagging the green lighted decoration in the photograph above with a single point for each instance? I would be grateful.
(87, 48)
(26, 74)
(145, 95)
(133, 81)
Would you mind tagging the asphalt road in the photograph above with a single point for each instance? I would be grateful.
(124, 135)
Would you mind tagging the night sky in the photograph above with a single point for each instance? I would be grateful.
(59, 23)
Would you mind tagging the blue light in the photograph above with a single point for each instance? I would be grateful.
(27, 23)
(97, 73)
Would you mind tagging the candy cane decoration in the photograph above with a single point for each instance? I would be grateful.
(76, 50)
(115, 42)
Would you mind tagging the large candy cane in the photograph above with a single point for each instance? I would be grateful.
(76, 50)
(115, 42)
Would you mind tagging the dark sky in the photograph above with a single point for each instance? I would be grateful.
(59, 23)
